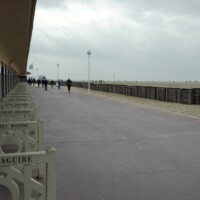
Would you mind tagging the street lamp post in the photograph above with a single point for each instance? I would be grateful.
(89, 53)
(114, 83)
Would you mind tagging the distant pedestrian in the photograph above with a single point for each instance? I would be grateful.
(52, 83)
(59, 84)
(29, 81)
(34, 81)
(45, 84)
(69, 84)
(38, 82)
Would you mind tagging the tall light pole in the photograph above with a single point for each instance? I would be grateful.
(114, 83)
(88, 52)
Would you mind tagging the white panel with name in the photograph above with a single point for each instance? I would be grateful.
(14, 115)
(27, 136)
(18, 168)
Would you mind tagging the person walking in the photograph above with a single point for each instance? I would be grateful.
(69, 84)
(52, 83)
(59, 84)
(38, 82)
(29, 81)
(34, 81)
(45, 84)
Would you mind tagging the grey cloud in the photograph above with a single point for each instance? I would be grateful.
(178, 7)
(60, 3)
(50, 3)
(159, 41)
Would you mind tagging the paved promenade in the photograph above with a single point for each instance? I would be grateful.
(111, 150)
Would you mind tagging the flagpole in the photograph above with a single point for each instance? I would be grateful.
(31, 68)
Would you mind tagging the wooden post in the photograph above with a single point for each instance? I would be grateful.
(175, 95)
(157, 93)
(51, 174)
(40, 145)
(190, 98)
(27, 183)
(179, 96)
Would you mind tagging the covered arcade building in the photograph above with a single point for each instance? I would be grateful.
(16, 24)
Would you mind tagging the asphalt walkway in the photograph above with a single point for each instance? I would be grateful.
(111, 150)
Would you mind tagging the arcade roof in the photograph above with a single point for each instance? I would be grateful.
(16, 24)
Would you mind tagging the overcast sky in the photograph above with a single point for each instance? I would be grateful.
(154, 40)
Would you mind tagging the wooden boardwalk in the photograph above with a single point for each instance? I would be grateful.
(109, 150)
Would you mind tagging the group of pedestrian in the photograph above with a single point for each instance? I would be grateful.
(31, 81)
(68, 83)
(44, 83)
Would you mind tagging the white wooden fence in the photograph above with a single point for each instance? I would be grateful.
(27, 136)
(11, 175)
(18, 99)
(20, 129)
(17, 105)
(21, 95)
(14, 115)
